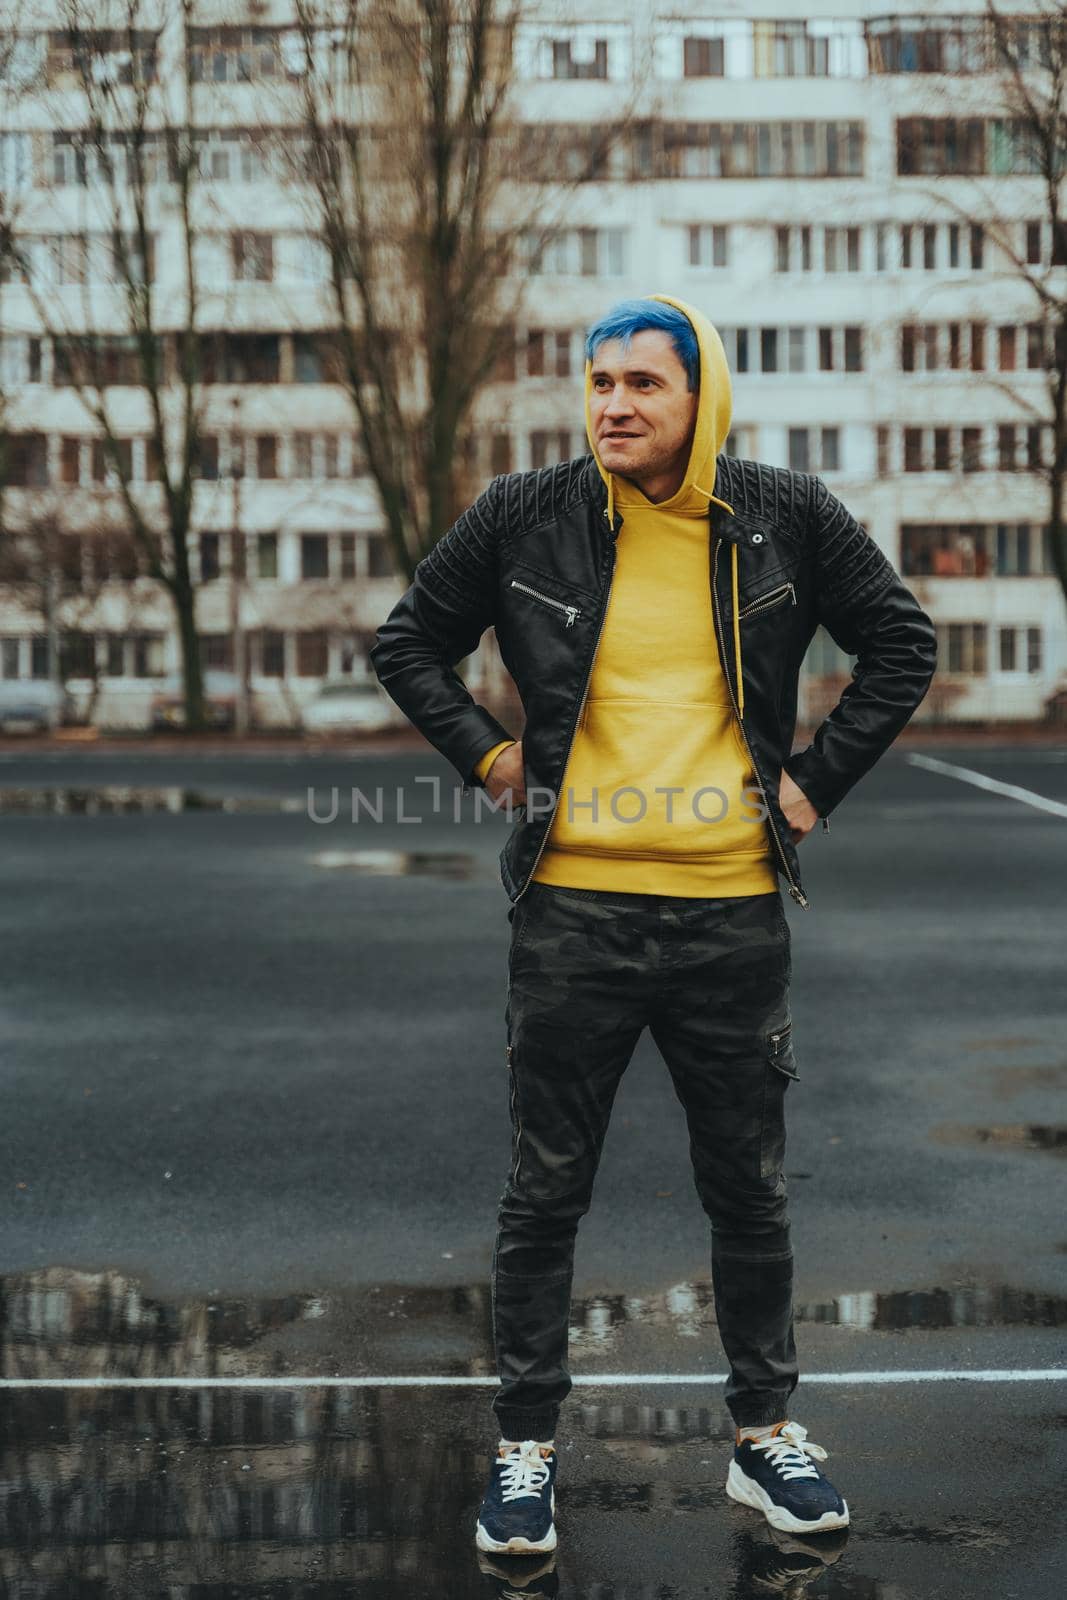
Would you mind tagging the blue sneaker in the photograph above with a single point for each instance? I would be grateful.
(515, 1517)
(778, 1476)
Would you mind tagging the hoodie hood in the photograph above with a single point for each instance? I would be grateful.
(714, 412)
(694, 496)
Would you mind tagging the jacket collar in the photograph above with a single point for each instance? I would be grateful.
(739, 529)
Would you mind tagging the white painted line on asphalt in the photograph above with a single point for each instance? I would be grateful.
(615, 1380)
(1010, 791)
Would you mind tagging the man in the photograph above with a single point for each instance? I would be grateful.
(653, 604)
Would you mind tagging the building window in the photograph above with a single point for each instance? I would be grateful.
(348, 555)
(271, 653)
(240, 357)
(148, 655)
(579, 58)
(547, 448)
(312, 654)
(548, 353)
(703, 58)
(578, 252)
(500, 458)
(210, 557)
(799, 450)
(1033, 649)
(882, 446)
(707, 245)
(266, 456)
(266, 555)
(314, 556)
(216, 652)
(966, 647)
(253, 257)
(379, 556)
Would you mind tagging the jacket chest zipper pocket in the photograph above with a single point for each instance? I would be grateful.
(773, 597)
(570, 612)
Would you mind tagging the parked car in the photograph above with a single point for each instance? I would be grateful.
(220, 701)
(346, 705)
(32, 705)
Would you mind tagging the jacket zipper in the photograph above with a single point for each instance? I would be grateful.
(776, 1039)
(572, 612)
(796, 892)
(577, 715)
(764, 601)
(517, 1118)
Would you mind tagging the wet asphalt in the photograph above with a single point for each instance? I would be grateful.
(255, 1127)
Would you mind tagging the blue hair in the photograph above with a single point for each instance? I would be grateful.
(628, 317)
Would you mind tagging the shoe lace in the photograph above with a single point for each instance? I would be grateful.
(789, 1450)
(523, 1472)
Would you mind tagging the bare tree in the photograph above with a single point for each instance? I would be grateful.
(429, 198)
(135, 143)
(1029, 55)
(14, 174)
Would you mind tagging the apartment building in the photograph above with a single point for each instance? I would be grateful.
(835, 192)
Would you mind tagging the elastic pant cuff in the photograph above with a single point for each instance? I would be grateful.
(528, 1423)
(753, 1416)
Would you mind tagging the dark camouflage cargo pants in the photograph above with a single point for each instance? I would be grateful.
(589, 969)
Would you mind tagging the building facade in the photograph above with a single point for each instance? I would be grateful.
(843, 196)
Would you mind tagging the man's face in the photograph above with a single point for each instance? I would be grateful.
(641, 408)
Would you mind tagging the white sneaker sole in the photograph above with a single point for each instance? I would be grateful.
(742, 1489)
(517, 1546)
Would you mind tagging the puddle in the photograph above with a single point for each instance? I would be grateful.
(1009, 1136)
(688, 1309)
(1004, 1042)
(1007, 1081)
(398, 863)
(311, 1491)
(122, 800)
(62, 1323)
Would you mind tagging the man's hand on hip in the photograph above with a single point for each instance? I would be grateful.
(507, 773)
(797, 809)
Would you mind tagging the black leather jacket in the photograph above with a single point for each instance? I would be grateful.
(533, 558)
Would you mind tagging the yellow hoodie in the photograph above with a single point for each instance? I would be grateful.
(658, 713)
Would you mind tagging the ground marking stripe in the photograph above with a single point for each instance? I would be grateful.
(1011, 791)
(588, 1380)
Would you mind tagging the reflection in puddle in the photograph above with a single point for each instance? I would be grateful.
(124, 800)
(689, 1310)
(399, 863)
(61, 1323)
(271, 1488)
(1010, 1136)
(1016, 1080)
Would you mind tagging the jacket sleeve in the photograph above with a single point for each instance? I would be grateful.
(870, 613)
(437, 622)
